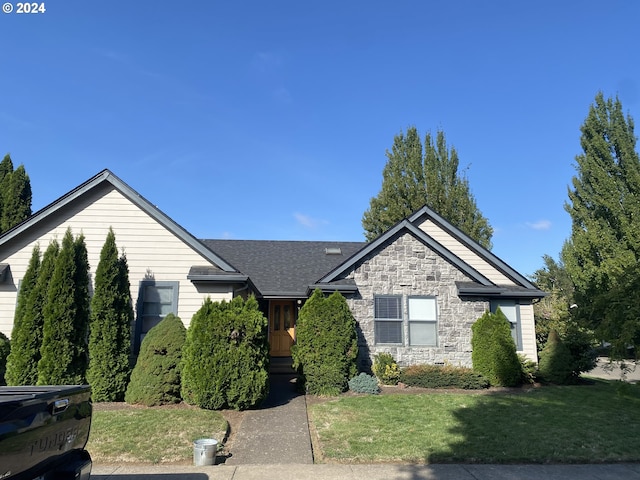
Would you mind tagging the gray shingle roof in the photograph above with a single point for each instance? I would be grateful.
(281, 268)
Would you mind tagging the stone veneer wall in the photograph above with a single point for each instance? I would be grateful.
(408, 267)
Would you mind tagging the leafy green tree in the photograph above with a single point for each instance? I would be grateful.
(604, 208)
(326, 348)
(226, 356)
(110, 326)
(411, 179)
(66, 317)
(20, 359)
(494, 351)
(155, 380)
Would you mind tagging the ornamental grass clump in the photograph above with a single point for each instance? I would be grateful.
(155, 380)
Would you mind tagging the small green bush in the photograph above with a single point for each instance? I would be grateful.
(529, 369)
(556, 361)
(386, 369)
(442, 376)
(4, 353)
(494, 352)
(226, 356)
(364, 383)
(326, 346)
(155, 380)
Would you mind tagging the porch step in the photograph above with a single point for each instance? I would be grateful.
(281, 365)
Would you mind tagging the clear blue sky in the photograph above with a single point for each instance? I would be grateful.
(270, 120)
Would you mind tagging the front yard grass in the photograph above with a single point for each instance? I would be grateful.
(151, 435)
(572, 424)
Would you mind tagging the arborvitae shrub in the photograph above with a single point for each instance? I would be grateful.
(226, 356)
(442, 376)
(326, 348)
(110, 327)
(494, 352)
(386, 369)
(364, 383)
(4, 352)
(64, 356)
(556, 362)
(20, 366)
(155, 380)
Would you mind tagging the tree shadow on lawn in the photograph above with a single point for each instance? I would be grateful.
(588, 423)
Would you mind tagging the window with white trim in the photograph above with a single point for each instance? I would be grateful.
(423, 325)
(388, 319)
(511, 310)
(155, 301)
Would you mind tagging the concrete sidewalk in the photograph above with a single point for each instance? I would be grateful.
(372, 472)
(277, 432)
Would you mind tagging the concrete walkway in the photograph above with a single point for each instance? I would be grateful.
(285, 439)
(372, 472)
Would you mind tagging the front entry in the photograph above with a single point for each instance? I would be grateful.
(282, 323)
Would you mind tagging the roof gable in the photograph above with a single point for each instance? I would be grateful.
(96, 182)
(411, 225)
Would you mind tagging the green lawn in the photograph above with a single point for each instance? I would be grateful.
(585, 423)
(151, 435)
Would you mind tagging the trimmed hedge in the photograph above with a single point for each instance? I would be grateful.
(155, 380)
(326, 346)
(442, 376)
(226, 356)
(494, 352)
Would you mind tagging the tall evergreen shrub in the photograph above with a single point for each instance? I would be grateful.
(493, 350)
(110, 326)
(226, 356)
(19, 359)
(326, 348)
(155, 379)
(556, 362)
(66, 317)
(5, 348)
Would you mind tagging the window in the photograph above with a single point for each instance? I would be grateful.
(388, 319)
(423, 326)
(511, 310)
(155, 301)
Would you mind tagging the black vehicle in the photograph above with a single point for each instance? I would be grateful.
(43, 432)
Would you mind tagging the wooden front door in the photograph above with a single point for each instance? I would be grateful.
(282, 323)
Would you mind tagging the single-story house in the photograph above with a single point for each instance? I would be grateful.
(415, 291)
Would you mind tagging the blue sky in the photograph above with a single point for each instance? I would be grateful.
(270, 120)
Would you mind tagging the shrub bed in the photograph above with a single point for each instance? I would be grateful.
(442, 376)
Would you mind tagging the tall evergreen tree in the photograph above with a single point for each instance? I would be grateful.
(111, 317)
(15, 194)
(6, 169)
(16, 199)
(413, 178)
(604, 204)
(20, 357)
(66, 317)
